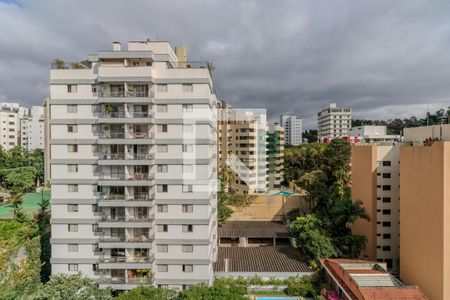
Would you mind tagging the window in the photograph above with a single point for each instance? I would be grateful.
(161, 88)
(188, 228)
(188, 248)
(386, 187)
(72, 128)
(72, 227)
(72, 207)
(72, 168)
(162, 168)
(162, 148)
(161, 108)
(72, 108)
(386, 224)
(187, 188)
(72, 148)
(386, 211)
(187, 88)
(95, 228)
(162, 208)
(386, 236)
(94, 89)
(188, 148)
(386, 199)
(162, 227)
(187, 208)
(188, 168)
(163, 268)
(188, 128)
(188, 268)
(188, 108)
(386, 163)
(162, 128)
(163, 248)
(386, 248)
(386, 175)
(162, 188)
(72, 88)
(72, 247)
(72, 188)
(73, 267)
(95, 267)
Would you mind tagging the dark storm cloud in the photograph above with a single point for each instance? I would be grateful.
(385, 59)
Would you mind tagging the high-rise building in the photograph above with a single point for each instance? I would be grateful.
(242, 139)
(334, 122)
(375, 181)
(32, 129)
(293, 128)
(9, 126)
(275, 155)
(133, 167)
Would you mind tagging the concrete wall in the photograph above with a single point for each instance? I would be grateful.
(425, 218)
(267, 207)
(364, 188)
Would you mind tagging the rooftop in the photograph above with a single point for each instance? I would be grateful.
(368, 280)
(254, 229)
(261, 259)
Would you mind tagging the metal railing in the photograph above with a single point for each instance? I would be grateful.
(126, 218)
(114, 114)
(131, 259)
(124, 280)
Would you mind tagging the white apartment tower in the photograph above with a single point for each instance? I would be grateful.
(9, 127)
(334, 122)
(293, 128)
(133, 167)
(32, 129)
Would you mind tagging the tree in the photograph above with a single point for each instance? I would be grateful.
(21, 180)
(310, 135)
(311, 237)
(148, 292)
(71, 287)
(346, 212)
(219, 291)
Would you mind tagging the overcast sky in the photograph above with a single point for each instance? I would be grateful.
(384, 59)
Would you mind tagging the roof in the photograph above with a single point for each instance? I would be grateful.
(369, 280)
(255, 229)
(261, 259)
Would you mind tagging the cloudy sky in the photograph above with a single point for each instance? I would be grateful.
(384, 59)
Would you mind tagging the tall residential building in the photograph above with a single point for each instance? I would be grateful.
(334, 122)
(275, 155)
(242, 138)
(32, 129)
(47, 150)
(293, 128)
(133, 167)
(9, 127)
(375, 181)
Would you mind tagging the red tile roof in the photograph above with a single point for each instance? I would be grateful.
(401, 293)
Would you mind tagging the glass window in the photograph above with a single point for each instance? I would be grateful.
(161, 88)
(72, 88)
(73, 267)
(162, 208)
(72, 168)
(162, 168)
(163, 248)
(161, 108)
(72, 227)
(187, 208)
(72, 108)
(162, 127)
(188, 148)
(188, 268)
(72, 188)
(72, 148)
(162, 227)
(188, 108)
(72, 247)
(162, 188)
(162, 148)
(163, 268)
(72, 207)
(72, 128)
(188, 188)
(386, 163)
(188, 228)
(188, 248)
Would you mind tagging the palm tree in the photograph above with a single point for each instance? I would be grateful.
(347, 211)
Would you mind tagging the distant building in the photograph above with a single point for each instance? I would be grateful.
(32, 129)
(293, 128)
(334, 122)
(275, 155)
(9, 126)
(365, 280)
(371, 134)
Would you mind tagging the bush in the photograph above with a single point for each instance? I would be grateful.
(148, 292)
(302, 287)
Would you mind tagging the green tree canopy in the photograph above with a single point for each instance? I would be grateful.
(148, 292)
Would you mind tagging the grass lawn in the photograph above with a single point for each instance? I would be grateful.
(30, 204)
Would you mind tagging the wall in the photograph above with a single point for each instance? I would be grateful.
(424, 215)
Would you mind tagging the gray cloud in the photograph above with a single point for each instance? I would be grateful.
(385, 59)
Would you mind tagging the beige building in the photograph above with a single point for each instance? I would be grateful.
(242, 146)
(425, 218)
(375, 181)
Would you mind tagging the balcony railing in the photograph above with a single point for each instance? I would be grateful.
(112, 93)
(123, 280)
(142, 196)
(130, 94)
(127, 218)
(113, 176)
(112, 156)
(120, 259)
(123, 135)
(113, 197)
(132, 239)
(142, 156)
(114, 114)
(137, 114)
(111, 135)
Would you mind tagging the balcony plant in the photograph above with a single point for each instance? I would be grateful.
(108, 109)
(59, 63)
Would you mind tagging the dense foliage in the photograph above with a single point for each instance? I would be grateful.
(310, 135)
(21, 169)
(148, 292)
(322, 226)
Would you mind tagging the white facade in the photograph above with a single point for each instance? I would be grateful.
(133, 168)
(32, 129)
(9, 128)
(293, 129)
(371, 134)
(334, 122)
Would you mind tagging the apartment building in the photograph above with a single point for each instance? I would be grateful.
(9, 127)
(275, 155)
(133, 167)
(371, 134)
(32, 129)
(333, 122)
(242, 139)
(376, 182)
(293, 129)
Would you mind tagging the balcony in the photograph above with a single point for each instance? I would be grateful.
(126, 221)
(123, 283)
(114, 114)
(143, 241)
(123, 135)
